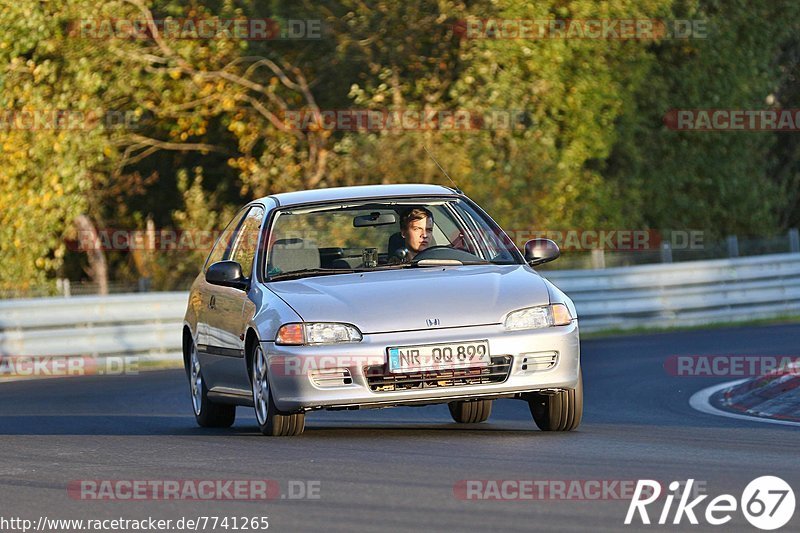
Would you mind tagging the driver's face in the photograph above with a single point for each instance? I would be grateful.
(418, 234)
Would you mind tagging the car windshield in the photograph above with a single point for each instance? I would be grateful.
(340, 238)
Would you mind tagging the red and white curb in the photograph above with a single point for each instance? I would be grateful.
(701, 401)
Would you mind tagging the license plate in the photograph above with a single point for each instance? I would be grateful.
(439, 356)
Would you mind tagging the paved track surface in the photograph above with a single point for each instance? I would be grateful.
(395, 469)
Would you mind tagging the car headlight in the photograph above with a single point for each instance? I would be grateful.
(317, 333)
(543, 316)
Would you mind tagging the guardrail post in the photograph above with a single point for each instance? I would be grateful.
(666, 252)
(62, 286)
(598, 258)
(794, 241)
(733, 246)
(144, 284)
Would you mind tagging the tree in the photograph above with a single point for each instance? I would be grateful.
(716, 181)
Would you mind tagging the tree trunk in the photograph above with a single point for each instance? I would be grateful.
(98, 268)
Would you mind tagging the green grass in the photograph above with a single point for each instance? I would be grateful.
(159, 365)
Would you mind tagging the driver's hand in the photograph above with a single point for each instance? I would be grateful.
(459, 243)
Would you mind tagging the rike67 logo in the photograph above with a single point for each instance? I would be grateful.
(767, 503)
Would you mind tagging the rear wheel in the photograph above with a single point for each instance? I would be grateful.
(470, 412)
(271, 421)
(207, 413)
(558, 412)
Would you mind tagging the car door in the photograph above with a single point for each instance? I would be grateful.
(204, 289)
(225, 319)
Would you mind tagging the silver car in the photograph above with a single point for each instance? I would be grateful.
(377, 296)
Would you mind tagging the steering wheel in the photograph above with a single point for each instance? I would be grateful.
(424, 253)
(445, 252)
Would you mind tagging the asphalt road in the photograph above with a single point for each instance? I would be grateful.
(395, 469)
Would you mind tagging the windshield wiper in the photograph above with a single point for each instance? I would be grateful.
(390, 266)
(309, 272)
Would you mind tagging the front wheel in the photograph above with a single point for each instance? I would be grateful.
(207, 413)
(271, 421)
(562, 411)
(470, 412)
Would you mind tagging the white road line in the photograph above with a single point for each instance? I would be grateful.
(700, 402)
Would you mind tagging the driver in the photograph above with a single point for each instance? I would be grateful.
(416, 227)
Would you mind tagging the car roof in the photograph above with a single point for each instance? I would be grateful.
(359, 192)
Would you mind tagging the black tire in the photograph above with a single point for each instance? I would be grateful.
(207, 413)
(558, 412)
(470, 412)
(271, 422)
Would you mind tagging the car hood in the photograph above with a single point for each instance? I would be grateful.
(403, 300)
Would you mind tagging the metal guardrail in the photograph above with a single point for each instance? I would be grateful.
(684, 294)
(145, 325)
(678, 294)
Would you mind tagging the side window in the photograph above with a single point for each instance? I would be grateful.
(484, 247)
(443, 227)
(454, 232)
(221, 246)
(495, 242)
(244, 247)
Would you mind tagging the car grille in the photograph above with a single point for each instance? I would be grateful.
(380, 380)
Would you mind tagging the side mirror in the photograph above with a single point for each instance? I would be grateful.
(538, 251)
(227, 274)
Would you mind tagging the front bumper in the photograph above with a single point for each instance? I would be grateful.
(350, 376)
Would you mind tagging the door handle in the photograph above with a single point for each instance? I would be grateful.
(212, 302)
